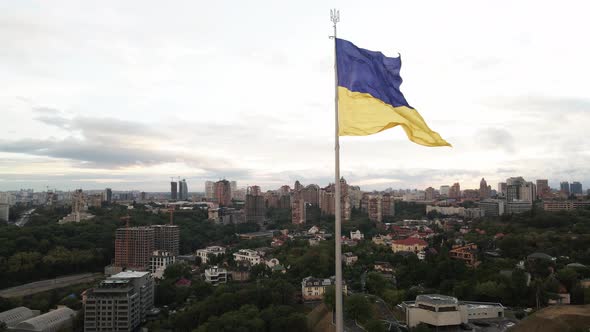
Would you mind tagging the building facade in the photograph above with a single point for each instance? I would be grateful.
(167, 238)
(159, 261)
(223, 193)
(134, 247)
(206, 253)
(313, 289)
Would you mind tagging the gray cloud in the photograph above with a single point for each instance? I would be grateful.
(496, 138)
(557, 105)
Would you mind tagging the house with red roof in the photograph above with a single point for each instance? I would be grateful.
(410, 244)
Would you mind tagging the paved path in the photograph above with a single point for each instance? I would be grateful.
(49, 284)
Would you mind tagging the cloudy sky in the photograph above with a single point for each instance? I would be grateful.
(126, 94)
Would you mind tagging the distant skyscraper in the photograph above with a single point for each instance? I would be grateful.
(4, 207)
(311, 194)
(298, 186)
(143, 196)
(134, 247)
(255, 207)
(234, 186)
(285, 190)
(182, 190)
(429, 194)
(455, 191)
(444, 191)
(543, 189)
(576, 188)
(254, 190)
(298, 210)
(564, 187)
(484, 190)
(173, 190)
(223, 192)
(502, 189)
(108, 195)
(209, 189)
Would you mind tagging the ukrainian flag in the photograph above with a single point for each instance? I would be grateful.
(369, 99)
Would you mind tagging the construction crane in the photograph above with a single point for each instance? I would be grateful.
(127, 246)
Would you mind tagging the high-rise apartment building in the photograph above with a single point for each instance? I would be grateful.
(133, 247)
(311, 194)
(255, 208)
(387, 206)
(167, 238)
(378, 207)
(173, 190)
(4, 207)
(543, 190)
(108, 194)
(182, 190)
(284, 190)
(298, 210)
(209, 189)
(484, 189)
(327, 200)
(444, 191)
(298, 186)
(120, 303)
(254, 190)
(455, 191)
(576, 188)
(375, 208)
(223, 192)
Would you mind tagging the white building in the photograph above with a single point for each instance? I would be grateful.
(59, 319)
(349, 258)
(313, 289)
(209, 189)
(518, 206)
(247, 256)
(14, 316)
(357, 235)
(216, 276)
(212, 250)
(441, 310)
(159, 261)
(272, 262)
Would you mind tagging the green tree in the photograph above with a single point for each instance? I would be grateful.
(330, 297)
(394, 297)
(376, 283)
(357, 307)
(375, 326)
(177, 271)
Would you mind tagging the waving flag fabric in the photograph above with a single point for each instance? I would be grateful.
(369, 98)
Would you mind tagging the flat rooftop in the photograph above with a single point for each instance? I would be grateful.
(129, 274)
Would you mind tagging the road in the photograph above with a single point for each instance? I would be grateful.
(24, 218)
(49, 284)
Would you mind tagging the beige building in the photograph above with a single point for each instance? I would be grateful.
(410, 245)
(564, 205)
(349, 258)
(445, 311)
(313, 289)
(204, 254)
(248, 256)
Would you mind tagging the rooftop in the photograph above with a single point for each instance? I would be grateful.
(437, 299)
(129, 274)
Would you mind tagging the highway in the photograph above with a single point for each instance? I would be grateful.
(49, 284)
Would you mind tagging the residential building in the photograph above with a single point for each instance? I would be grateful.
(355, 194)
(576, 188)
(119, 303)
(543, 189)
(313, 289)
(466, 253)
(167, 238)
(357, 235)
(550, 205)
(492, 207)
(59, 319)
(517, 206)
(255, 208)
(159, 261)
(223, 193)
(311, 194)
(349, 258)
(442, 311)
(502, 189)
(182, 190)
(4, 207)
(484, 189)
(444, 191)
(234, 187)
(327, 200)
(383, 267)
(134, 247)
(375, 208)
(209, 189)
(455, 191)
(248, 256)
(173, 190)
(298, 210)
(429, 194)
(410, 245)
(216, 275)
(205, 254)
(456, 211)
(108, 195)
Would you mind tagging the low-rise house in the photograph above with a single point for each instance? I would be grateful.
(277, 243)
(382, 239)
(247, 256)
(384, 267)
(563, 297)
(313, 230)
(240, 275)
(466, 253)
(272, 262)
(315, 241)
(183, 282)
(348, 242)
(216, 275)
(279, 269)
(410, 245)
(357, 235)
(349, 258)
(313, 289)
(206, 253)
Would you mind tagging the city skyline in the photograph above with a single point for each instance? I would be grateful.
(102, 105)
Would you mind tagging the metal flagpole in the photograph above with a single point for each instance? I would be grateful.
(335, 18)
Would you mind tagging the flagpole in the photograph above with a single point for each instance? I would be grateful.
(335, 18)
